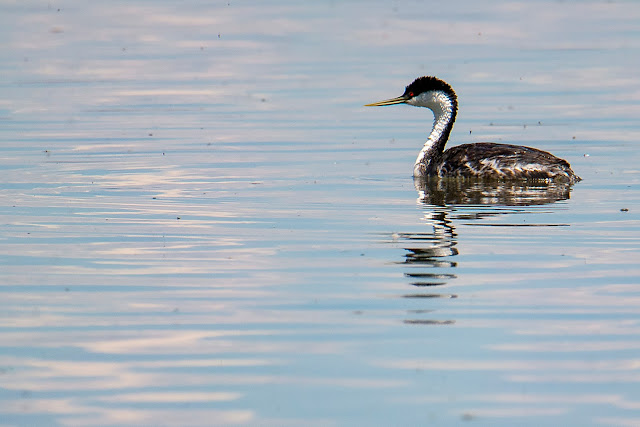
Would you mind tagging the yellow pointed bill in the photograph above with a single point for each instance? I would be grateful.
(392, 101)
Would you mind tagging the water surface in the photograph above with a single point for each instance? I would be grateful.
(201, 224)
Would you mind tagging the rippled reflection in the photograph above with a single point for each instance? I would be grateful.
(444, 191)
(428, 258)
(428, 264)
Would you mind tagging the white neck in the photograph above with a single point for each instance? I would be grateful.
(444, 113)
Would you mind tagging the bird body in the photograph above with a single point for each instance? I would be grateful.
(497, 161)
(484, 160)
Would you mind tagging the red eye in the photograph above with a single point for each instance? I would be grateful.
(410, 94)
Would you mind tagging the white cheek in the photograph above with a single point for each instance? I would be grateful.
(426, 99)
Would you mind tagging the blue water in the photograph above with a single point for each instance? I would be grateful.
(202, 225)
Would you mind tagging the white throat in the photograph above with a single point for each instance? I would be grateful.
(443, 109)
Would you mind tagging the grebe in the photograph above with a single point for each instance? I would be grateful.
(483, 160)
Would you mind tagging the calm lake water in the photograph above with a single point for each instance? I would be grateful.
(201, 224)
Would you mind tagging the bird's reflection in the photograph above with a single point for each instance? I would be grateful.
(451, 191)
(429, 261)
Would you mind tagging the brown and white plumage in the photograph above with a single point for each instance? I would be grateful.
(484, 160)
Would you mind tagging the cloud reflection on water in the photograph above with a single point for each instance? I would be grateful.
(269, 295)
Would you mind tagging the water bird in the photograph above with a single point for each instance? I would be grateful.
(482, 160)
